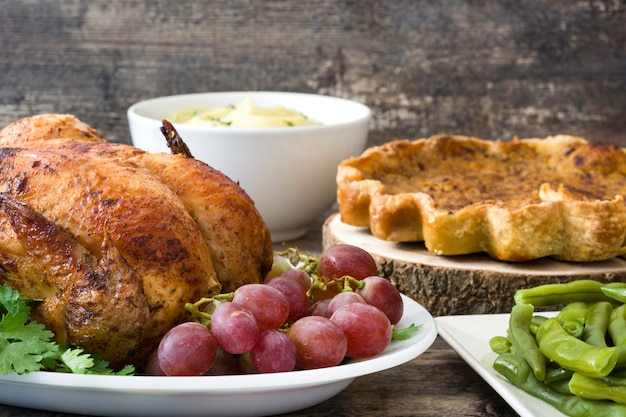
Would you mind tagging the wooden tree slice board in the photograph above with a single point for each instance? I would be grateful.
(465, 284)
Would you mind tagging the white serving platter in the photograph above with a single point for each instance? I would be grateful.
(223, 396)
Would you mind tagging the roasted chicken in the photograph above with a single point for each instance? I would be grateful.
(114, 240)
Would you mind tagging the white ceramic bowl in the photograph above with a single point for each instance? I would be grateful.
(290, 172)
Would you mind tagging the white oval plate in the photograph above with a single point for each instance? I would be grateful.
(223, 396)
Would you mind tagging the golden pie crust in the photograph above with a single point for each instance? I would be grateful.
(561, 196)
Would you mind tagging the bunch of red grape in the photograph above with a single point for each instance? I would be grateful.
(313, 314)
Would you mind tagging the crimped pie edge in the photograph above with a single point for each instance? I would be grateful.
(565, 229)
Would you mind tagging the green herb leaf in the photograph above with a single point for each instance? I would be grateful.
(75, 360)
(27, 346)
(22, 343)
(21, 356)
(406, 333)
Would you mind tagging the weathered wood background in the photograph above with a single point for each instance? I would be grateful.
(492, 69)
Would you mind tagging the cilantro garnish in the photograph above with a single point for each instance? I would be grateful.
(406, 333)
(27, 346)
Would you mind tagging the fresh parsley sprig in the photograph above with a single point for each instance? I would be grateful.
(27, 346)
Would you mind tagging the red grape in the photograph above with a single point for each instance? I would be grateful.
(381, 293)
(246, 364)
(300, 277)
(234, 327)
(274, 352)
(295, 295)
(367, 329)
(319, 342)
(224, 364)
(319, 308)
(325, 294)
(152, 365)
(268, 305)
(340, 260)
(342, 299)
(187, 349)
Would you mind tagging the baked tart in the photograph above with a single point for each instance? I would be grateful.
(560, 197)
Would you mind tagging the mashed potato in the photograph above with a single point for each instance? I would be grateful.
(244, 114)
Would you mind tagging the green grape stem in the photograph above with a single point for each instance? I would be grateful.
(301, 260)
(316, 284)
(197, 309)
(343, 284)
(308, 263)
(349, 283)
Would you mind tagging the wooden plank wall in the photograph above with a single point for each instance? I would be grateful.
(492, 69)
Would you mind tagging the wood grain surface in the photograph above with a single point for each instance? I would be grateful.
(492, 69)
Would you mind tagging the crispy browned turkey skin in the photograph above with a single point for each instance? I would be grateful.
(115, 240)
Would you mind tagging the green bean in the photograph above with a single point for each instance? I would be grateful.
(558, 374)
(617, 325)
(535, 322)
(572, 353)
(516, 370)
(620, 351)
(557, 294)
(575, 310)
(620, 363)
(560, 385)
(523, 341)
(607, 388)
(500, 344)
(619, 371)
(572, 317)
(615, 292)
(597, 323)
(574, 327)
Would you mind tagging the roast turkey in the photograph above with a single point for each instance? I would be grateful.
(115, 241)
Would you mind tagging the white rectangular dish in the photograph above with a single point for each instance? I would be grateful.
(469, 336)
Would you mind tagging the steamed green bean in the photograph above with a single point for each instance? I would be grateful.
(572, 353)
(556, 294)
(606, 388)
(575, 360)
(523, 341)
(597, 323)
(516, 370)
(617, 325)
